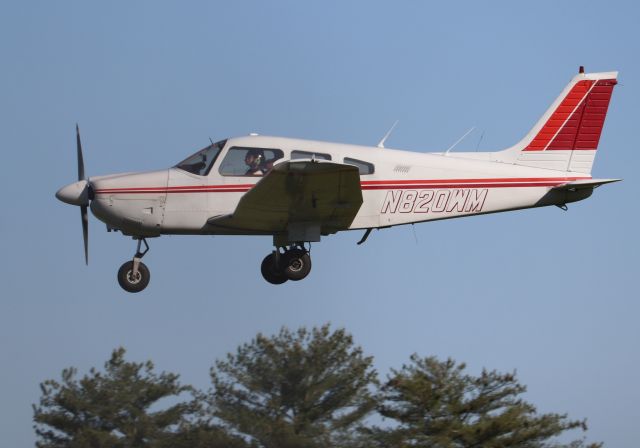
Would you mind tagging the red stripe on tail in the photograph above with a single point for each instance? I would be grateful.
(577, 122)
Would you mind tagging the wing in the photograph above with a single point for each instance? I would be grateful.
(303, 194)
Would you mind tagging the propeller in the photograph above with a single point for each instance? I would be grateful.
(83, 208)
(79, 193)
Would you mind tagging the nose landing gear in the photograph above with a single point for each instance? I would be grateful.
(133, 275)
(292, 264)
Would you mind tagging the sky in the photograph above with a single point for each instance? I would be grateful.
(547, 293)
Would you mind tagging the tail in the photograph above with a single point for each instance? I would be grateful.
(566, 137)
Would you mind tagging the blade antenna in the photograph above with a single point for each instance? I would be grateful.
(459, 140)
(384, 139)
(479, 141)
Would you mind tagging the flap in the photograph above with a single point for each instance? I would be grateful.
(314, 192)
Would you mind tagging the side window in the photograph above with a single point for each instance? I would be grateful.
(363, 167)
(249, 161)
(309, 155)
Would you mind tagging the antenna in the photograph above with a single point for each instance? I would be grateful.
(384, 139)
(459, 140)
(479, 141)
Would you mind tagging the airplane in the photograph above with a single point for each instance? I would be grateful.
(300, 190)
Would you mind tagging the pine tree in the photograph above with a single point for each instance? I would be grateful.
(119, 408)
(302, 389)
(437, 405)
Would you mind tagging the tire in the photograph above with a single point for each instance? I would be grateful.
(270, 271)
(128, 282)
(296, 264)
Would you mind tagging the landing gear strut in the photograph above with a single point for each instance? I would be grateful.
(292, 264)
(134, 275)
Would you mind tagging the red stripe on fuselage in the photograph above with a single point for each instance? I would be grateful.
(176, 189)
(366, 185)
(497, 179)
(474, 185)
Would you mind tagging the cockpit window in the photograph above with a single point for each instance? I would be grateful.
(201, 162)
(245, 161)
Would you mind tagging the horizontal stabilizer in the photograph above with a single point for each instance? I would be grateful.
(584, 183)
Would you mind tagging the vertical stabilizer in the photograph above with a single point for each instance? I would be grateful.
(566, 137)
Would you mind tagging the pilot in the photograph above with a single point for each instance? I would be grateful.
(254, 159)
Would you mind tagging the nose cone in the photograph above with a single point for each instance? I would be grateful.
(75, 194)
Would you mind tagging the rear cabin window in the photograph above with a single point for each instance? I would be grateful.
(309, 155)
(363, 167)
(246, 161)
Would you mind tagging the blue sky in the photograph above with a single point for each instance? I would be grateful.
(548, 293)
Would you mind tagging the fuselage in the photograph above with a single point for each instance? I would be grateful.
(398, 187)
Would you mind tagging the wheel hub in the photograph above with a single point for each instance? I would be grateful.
(134, 278)
(296, 264)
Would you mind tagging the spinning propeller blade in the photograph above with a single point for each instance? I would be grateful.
(83, 208)
(85, 232)
(80, 158)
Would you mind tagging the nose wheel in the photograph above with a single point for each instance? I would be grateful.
(133, 275)
(292, 264)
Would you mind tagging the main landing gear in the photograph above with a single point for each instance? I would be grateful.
(134, 275)
(294, 263)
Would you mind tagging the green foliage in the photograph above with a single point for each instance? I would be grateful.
(302, 389)
(308, 388)
(437, 405)
(113, 409)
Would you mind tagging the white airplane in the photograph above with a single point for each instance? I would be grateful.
(299, 190)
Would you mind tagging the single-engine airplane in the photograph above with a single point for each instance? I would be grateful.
(299, 190)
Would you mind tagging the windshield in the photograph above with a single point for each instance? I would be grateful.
(201, 162)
